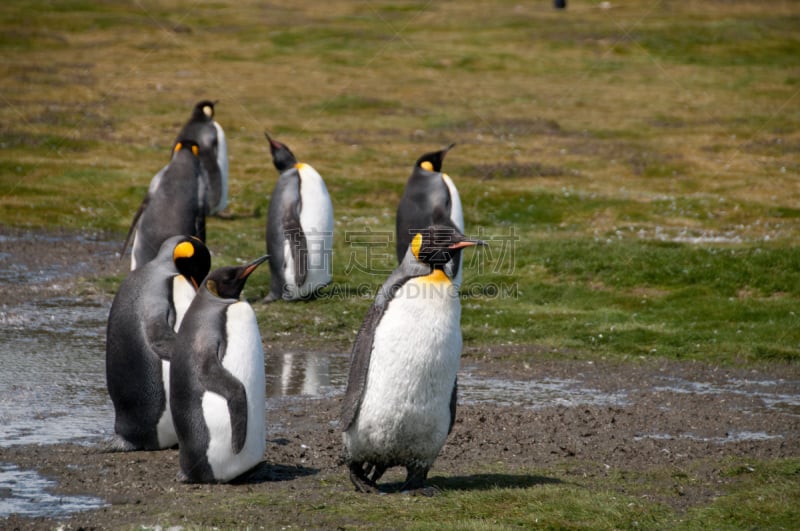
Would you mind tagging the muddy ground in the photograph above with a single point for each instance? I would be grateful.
(653, 428)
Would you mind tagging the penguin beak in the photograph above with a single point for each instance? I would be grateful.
(252, 266)
(466, 243)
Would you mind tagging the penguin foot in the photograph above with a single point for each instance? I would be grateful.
(416, 482)
(428, 491)
(270, 298)
(117, 444)
(360, 478)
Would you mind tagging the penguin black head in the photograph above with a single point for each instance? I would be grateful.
(433, 161)
(282, 156)
(228, 282)
(438, 244)
(192, 259)
(203, 111)
(186, 144)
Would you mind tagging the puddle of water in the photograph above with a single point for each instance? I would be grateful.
(305, 374)
(533, 393)
(731, 437)
(14, 272)
(774, 394)
(52, 379)
(24, 492)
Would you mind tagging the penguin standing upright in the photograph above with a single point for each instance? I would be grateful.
(429, 197)
(400, 401)
(217, 384)
(203, 129)
(145, 315)
(299, 229)
(174, 204)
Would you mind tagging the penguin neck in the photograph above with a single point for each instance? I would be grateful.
(437, 276)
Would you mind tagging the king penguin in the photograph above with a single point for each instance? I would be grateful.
(428, 194)
(203, 129)
(175, 203)
(299, 229)
(400, 401)
(145, 315)
(217, 384)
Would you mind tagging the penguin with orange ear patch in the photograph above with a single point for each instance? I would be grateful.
(145, 315)
(175, 204)
(400, 401)
(217, 383)
(430, 197)
(299, 229)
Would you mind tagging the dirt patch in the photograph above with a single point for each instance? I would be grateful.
(664, 415)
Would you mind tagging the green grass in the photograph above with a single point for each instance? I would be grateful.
(634, 170)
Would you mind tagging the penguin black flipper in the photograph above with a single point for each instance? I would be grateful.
(132, 228)
(362, 348)
(297, 243)
(219, 381)
(359, 366)
(160, 333)
(283, 222)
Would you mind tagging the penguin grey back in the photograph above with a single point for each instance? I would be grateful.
(177, 205)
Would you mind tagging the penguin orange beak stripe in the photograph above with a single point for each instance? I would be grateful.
(467, 243)
(252, 266)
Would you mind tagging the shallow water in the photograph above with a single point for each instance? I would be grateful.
(52, 380)
(24, 492)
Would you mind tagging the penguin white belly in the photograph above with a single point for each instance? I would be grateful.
(405, 411)
(457, 217)
(288, 271)
(316, 220)
(165, 429)
(244, 359)
(135, 249)
(222, 162)
(182, 294)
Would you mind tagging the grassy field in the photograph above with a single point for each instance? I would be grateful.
(633, 165)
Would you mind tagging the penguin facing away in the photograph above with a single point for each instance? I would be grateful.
(430, 197)
(299, 229)
(145, 315)
(400, 402)
(203, 129)
(174, 204)
(217, 384)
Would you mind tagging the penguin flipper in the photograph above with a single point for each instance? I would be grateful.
(218, 380)
(132, 228)
(298, 245)
(362, 349)
(160, 333)
(359, 366)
